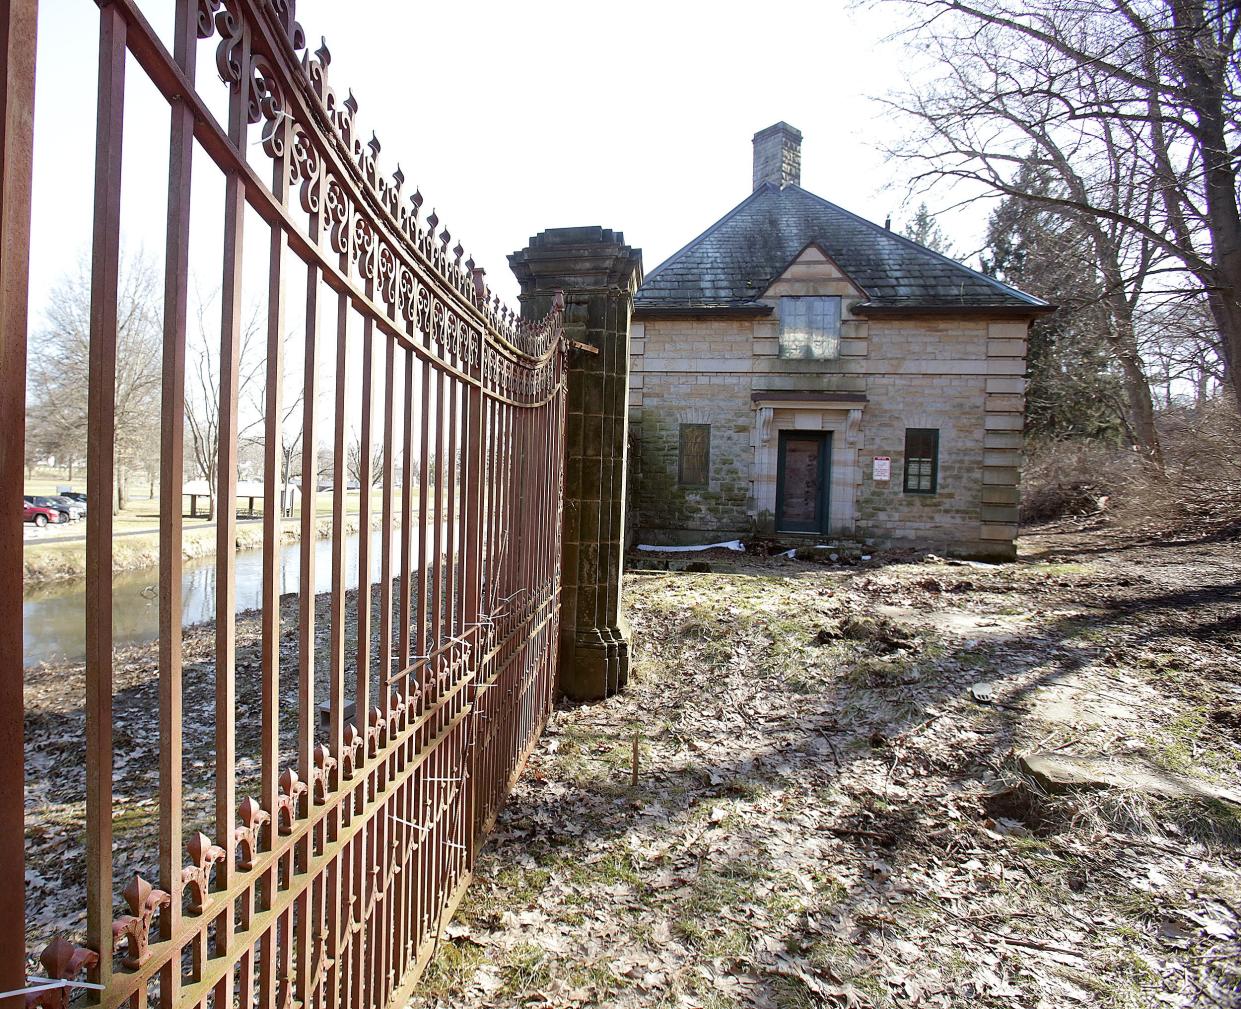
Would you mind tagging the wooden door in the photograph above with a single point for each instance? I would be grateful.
(802, 476)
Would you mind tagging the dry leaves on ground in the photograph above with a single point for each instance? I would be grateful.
(827, 815)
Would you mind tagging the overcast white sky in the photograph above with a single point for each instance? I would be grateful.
(514, 117)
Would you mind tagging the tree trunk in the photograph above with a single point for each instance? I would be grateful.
(1206, 87)
(1226, 310)
(1137, 385)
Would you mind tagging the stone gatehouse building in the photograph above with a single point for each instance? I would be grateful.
(799, 370)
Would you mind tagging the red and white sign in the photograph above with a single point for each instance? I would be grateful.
(883, 468)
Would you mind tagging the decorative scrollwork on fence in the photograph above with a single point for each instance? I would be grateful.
(246, 837)
(351, 752)
(135, 929)
(196, 877)
(62, 961)
(411, 259)
(322, 774)
(291, 790)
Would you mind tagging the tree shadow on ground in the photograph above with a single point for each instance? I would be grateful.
(825, 742)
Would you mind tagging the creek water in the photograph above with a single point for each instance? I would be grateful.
(55, 615)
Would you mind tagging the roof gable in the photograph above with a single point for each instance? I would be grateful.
(812, 272)
(733, 262)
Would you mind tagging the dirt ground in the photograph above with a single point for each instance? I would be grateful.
(830, 809)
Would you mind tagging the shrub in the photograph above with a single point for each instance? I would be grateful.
(1075, 478)
(1201, 478)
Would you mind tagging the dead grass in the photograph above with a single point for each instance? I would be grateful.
(1201, 481)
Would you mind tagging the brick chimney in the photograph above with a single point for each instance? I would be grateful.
(777, 155)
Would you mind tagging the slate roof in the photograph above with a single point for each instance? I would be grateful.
(730, 264)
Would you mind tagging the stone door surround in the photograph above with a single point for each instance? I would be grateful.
(837, 412)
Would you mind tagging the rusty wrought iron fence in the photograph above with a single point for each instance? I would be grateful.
(324, 877)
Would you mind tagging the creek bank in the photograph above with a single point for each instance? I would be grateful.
(55, 736)
(54, 613)
(47, 563)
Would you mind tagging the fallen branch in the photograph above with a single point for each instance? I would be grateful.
(857, 832)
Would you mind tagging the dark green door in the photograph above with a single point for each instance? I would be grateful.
(803, 472)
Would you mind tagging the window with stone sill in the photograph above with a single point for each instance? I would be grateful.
(921, 460)
(810, 328)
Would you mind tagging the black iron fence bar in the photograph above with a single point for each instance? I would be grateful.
(342, 881)
(105, 269)
(156, 62)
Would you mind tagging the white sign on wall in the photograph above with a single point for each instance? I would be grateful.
(883, 468)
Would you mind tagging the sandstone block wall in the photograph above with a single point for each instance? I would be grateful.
(692, 379)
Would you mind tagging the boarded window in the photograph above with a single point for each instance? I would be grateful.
(810, 328)
(921, 460)
(695, 454)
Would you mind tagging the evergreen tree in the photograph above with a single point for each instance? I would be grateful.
(924, 230)
(1074, 389)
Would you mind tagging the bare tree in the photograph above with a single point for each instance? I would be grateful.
(49, 438)
(202, 396)
(1181, 343)
(291, 462)
(1073, 387)
(354, 458)
(325, 465)
(1133, 104)
(60, 364)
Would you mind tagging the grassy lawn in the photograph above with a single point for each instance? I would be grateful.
(46, 560)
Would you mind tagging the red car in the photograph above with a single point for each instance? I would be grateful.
(39, 515)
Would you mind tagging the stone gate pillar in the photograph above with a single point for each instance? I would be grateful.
(598, 274)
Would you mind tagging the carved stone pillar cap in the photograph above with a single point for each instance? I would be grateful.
(578, 260)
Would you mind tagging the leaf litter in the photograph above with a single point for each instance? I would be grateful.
(827, 813)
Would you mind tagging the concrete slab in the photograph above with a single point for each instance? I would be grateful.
(1057, 773)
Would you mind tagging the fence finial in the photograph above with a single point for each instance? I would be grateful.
(135, 929)
(63, 961)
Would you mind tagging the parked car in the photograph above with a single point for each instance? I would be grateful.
(39, 515)
(76, 496)
(43, 501)
(77, 510)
